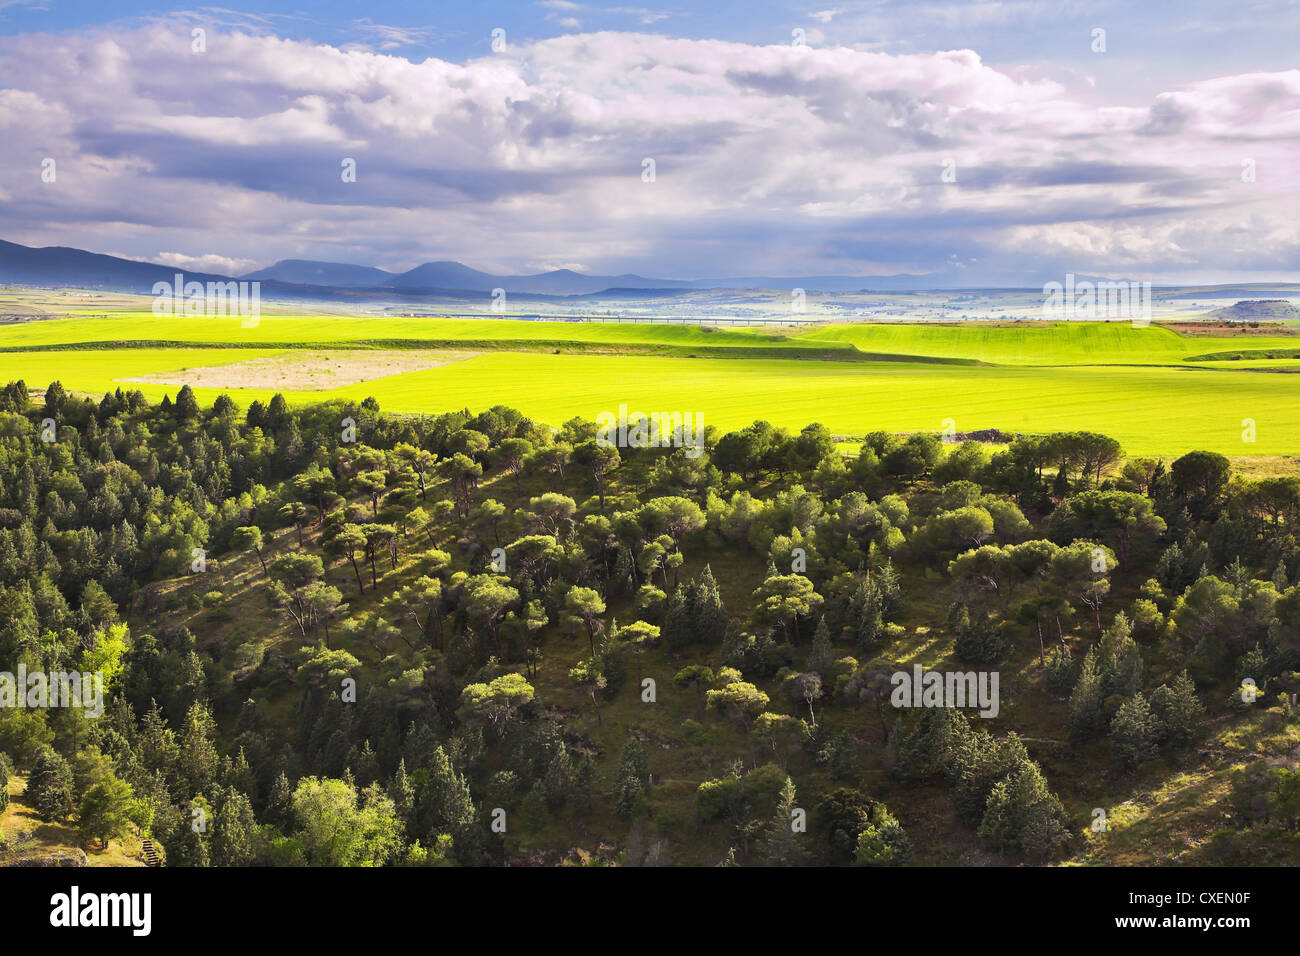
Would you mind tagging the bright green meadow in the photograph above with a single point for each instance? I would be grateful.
(1155, 390)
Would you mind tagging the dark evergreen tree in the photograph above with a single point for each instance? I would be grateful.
(50, 787)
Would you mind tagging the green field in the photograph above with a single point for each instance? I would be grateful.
(143, 327)
(993, 343)
(1079, 343)
(1141, 386)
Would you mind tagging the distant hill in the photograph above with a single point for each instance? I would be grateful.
(1257, 310)
(454, 275)
(444, 275)
(308, 272)
(63, 266)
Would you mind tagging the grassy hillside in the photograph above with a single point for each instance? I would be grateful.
(27, 837)
(1059, 343)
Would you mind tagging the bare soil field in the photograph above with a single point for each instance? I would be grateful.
(307, 371)
(1214, 328)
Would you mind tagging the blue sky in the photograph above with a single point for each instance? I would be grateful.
(1171, 153)
(1156, 42)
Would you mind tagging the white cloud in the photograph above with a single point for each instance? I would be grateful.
(222, 265)
(394, 37)
(768, 158)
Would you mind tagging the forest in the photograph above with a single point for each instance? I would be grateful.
(333, 636)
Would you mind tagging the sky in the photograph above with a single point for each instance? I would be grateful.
(997, 143)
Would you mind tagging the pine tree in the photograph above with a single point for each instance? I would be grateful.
(677, 628)
(867, 614)
(980, 642)
(364, 764)
(199, 760)
(711, 618)
(557, 781)
(838, 755)
(1061, 671)
(187, 406)
(1121, 660)
(49, 787)
(188, 847)
(584, 783)
(822, 656)
(1086, 718)
(1178, 712)
(279, 808)
(1134, 732)
(4, 782)
(929, 747)
(401, 792)
(631, 781)
(238, 774)
(889, 583)
(233, 829)
(446, 804)
(158, 747)
(781, 844)
(882, 841)
(334, 758)
(1023, 815)
(1254, 665)
(975, 765)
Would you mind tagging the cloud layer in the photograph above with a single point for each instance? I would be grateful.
(766, 159)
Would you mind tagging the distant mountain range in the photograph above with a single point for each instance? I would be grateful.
(60, 266)
(303, 278)
(447, 275)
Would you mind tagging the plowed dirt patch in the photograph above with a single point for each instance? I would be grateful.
(307, 371)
